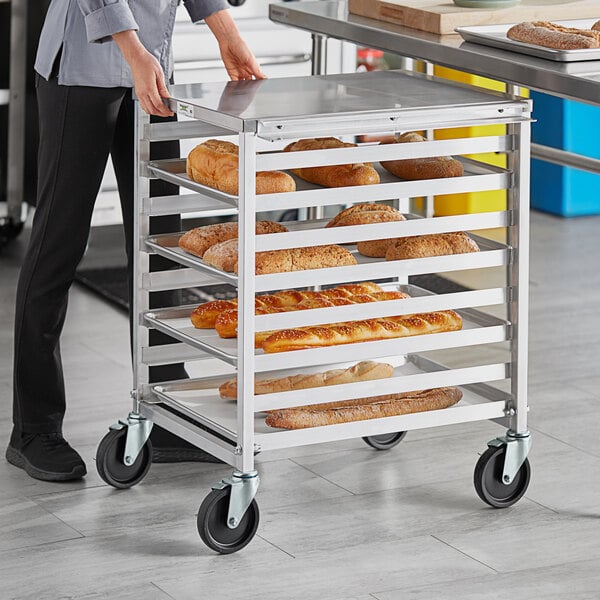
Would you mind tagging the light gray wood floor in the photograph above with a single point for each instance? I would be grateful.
(338, 521)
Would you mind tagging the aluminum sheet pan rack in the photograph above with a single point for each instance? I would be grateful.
(262, 117)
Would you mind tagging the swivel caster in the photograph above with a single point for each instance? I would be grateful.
(213, 527)
(489, 483)
(385, 441)
(110, 460)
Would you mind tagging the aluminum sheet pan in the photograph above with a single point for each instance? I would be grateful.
(495, 36)
(174, 171)
(176, 323)
(204, 404)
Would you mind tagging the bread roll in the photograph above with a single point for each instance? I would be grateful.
(434, 167)
(437, 244)
(550, 35)
(300, 259)
(226, 322)
(334, 175)
(362, 331)
(596, 26)
(214, 163)
(198, 240)
(362, 371)
(390, 405)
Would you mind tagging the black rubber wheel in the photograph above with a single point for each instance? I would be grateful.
(488, 479)
(212, 523)
(110, 465)
(385, 441)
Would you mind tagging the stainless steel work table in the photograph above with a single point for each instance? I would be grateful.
(577, 81)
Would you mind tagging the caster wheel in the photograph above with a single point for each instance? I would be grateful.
(488, 479)
(212, 523)
(109, 460)
(385, 441)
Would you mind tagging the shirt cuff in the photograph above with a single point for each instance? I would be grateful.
(112, 18)
(200, 9)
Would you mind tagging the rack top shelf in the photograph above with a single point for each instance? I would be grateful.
(270, 105)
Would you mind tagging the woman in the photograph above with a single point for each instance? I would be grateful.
(90, 56)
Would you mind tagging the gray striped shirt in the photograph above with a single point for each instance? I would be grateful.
(83, 28)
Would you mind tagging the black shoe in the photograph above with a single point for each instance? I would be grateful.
(45, 456)
(168, 448)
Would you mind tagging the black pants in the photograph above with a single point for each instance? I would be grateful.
(79, 128)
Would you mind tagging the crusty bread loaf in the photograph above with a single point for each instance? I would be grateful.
(364, 408)
(300, 259)
(433, 167)
(374, 248)
(223, 255)
(214, 163)
(198, 240)
(437, 244)
(204, 316)
(226, 322)
(333, 175)
(596, 26)
(550, 35)
(360, 214)
(362, 331)
(362, 371)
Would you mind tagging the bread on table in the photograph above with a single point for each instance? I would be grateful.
(550, 35)
(362, 371)
(333, 175)
(437, 244)
(432, 167)
(390, 405)
(226, 322)
(214, 163)
(198, 240)
(362, 331)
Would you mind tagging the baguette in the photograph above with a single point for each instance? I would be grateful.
(362, 331)
(204, 316)
(214, 163)
(438, 244)
(433, 167)
(366, 408)
(198, 240)
(300, 259)
(550, 35)
(362, 371)
(334, 175)
(226, 322)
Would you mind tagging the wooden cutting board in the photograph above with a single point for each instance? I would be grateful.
(443, 17)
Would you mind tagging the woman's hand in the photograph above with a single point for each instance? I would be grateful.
(239, 60)
(148, 77)
(237, 57)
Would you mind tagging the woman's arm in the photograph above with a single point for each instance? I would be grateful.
(148, 76)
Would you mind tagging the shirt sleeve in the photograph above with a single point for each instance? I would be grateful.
(200, 9)
(105, 17)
